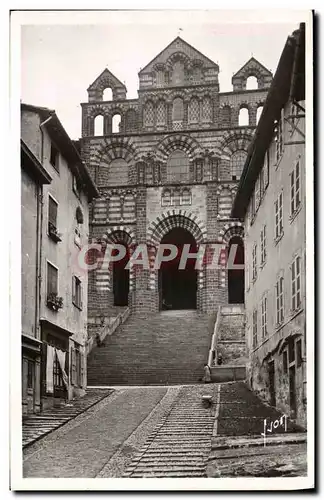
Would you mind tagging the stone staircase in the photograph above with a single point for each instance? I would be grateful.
(231, 335)
(170, 347)
(179, 446)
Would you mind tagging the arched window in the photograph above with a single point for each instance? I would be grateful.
(206, 110)
(251, 83)
(176, 197)
(160, 113)
(148, 114)
(99, 125)
(185, 197)
(107, 94)
(244, 117)
(131, 121)
(178, 73)
(166, 198)
(177, 110)
(193, 114)
(116, 120)
(178, 167)
(226, 116)
(258, 114)
(196, 75)
(118, 172)
(160, 78)
(114, 208)
(237, 163)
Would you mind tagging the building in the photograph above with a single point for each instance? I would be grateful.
(33, 177)
(272, 199)
(167, 166)
(56, 190)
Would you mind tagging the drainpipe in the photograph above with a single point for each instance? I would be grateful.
(39, 237)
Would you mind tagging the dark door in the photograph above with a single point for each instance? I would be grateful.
(272, 383)
(121, 282)
(292, 390)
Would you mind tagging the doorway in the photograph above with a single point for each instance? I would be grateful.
(178, 287)
(272, 386)
(235, 277)
(121, 280)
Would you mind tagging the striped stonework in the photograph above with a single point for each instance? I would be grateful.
(229, 230)
(163, 225)
(116, 234)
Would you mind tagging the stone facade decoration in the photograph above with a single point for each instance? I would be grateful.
(177, 159)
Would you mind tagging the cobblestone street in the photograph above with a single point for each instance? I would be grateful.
(168, 432)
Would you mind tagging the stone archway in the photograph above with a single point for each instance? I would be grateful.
(185, 227)
(231, 230)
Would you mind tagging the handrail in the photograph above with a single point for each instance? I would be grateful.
(214, 339)
(108, 329)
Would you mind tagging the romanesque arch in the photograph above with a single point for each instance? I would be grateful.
(176, 218)
(179, 141)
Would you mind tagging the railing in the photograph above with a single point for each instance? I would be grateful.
(107, 329)
(212, 355)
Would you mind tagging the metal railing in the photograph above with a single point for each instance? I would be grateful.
(107, 329)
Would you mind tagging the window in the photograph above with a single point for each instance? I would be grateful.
(259, 113)
(251, 83)
(116, 123)
(236, 164)
(57, 374)
(178, 73)
(77, 292)
(107, 94)
(52, 220)
(52, 280)
(99, 125)
(76, 187)
(279, 137)
(118, 172)
(291, 350)
(264, 317)
(185, 197)
(279, 216)
(178, 167)
(161, 113)
(193, 111)
(280, 300)
(254, 263)
(199, 170)
(299, 353)
(175, 197)
(295, 189)
(148, 114)
(243, 117)
(285, 361)
(295, 285)
(263, 245)
(166, 198)
(255, 328)
(177, 110)
(54, 159)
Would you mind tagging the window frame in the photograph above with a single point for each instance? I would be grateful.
(254, 263)
(296, 284)
(56, 163)
(295, 189)
(279, 297)
(279, 224)
(254, 328)
(49, 263)
(263, 243)
(264, 313)
(77, 292)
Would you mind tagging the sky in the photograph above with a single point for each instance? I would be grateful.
(62, 53)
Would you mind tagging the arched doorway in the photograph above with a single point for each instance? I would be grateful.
(121, 278)
(235, 277)
(178, 287)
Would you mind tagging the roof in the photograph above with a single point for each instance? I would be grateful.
(178, 38)
(288, 83)
(66, 146)
(254, 60)
(32, 165)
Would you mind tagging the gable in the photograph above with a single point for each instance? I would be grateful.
(250, 66)
(190, 55)
(106, 78)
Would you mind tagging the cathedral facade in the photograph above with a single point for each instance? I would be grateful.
(167, 166)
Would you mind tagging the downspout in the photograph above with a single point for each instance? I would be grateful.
(39, 237)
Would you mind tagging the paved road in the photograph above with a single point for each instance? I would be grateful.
(151, 431)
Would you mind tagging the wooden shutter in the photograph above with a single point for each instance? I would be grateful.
(51, 279)
(52, 211)
(73, 289)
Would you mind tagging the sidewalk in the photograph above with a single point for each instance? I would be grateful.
(38, 425)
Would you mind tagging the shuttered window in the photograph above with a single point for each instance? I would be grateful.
(52, 211)
(77, 292)
(52, 279)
